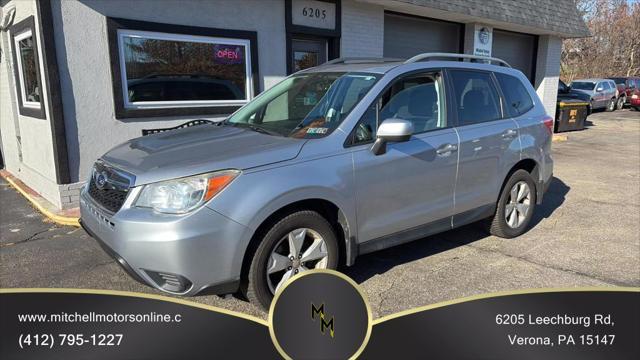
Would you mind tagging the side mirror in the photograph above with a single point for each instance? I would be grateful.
(391, 130)
(599, 89)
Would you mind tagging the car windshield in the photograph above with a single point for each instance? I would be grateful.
(582, 85)
(619, 81)
(305, 106)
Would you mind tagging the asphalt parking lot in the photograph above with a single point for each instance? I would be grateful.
(587, 233)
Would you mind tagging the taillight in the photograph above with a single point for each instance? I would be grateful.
(548, 123)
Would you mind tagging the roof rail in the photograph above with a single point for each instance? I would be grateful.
(360, 60)
(426, 56)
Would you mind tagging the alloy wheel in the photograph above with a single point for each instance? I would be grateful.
(300, 250)
(517, 207)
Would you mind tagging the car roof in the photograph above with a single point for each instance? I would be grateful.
(591, 80)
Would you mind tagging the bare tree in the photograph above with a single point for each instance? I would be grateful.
(614, 47)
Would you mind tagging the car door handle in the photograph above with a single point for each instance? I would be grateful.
(509, 134)
(446, 149)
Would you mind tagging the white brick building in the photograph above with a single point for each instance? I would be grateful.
(75, 81)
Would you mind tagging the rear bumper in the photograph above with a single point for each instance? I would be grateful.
(196, 253)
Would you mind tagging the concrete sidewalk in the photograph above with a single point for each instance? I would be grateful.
(587, 233)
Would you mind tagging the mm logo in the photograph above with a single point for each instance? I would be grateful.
(324, 324)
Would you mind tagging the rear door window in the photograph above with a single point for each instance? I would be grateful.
(518, 100)
(476, 96)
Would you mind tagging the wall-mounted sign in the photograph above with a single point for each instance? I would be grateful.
(228, 54)
(313, 13)
(482, 40)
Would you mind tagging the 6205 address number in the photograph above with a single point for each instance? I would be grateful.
(314, 13)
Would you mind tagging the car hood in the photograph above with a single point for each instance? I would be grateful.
(199, 149)
(573, 96)
(582, 92)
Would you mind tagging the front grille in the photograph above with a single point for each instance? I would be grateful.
(110, 199)
(113, 188)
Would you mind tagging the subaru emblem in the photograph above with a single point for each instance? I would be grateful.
(101, 180)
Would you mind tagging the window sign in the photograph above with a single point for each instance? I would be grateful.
(482, 40)
(315, 14)
(174, 70)
(225, 54)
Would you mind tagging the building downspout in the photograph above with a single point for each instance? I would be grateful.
(51, 79)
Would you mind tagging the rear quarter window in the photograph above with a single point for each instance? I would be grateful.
(517, 98)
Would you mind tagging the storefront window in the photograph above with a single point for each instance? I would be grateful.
(28, 70)
(174, 70)
(304, 60)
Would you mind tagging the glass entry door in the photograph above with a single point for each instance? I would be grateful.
(308, 53)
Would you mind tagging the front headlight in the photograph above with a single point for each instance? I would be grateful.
(183, 195)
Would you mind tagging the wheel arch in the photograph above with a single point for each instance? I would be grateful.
(529, 165)
(328, 209)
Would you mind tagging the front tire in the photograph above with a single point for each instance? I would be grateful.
(620, 104)
(301, 241)
(611, 106)
(515, 207)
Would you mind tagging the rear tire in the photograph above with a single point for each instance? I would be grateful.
(262, 279)
(509, 220)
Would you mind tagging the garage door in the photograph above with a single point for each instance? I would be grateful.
(519, 50)
(406, 36)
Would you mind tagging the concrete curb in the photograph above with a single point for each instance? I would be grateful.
(559, 138)
(39, 202)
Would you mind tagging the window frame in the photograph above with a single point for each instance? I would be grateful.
(20, 31)
(444, 108)
(454, 102)
(118, 28)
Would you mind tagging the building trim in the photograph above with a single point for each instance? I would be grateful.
(332, 36)
(54, 92)
(27, 24)
(114, 24)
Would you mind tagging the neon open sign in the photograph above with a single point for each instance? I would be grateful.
(228, 54)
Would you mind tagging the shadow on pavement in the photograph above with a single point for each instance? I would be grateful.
(380, 262)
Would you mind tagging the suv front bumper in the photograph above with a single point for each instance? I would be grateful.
(179, 254)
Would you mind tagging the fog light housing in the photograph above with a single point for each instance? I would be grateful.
(169, 282)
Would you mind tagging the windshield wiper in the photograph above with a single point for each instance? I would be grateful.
(258, 129)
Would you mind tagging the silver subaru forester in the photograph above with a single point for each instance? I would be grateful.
(336, 161)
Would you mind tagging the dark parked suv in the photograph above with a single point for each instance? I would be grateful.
(335, 161)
